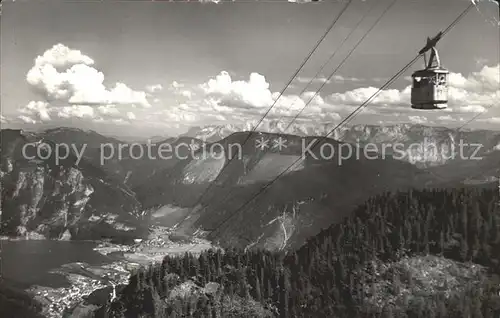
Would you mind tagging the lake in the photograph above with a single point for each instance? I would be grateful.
(28, 262)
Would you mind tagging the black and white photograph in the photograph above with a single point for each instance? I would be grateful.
(250, 158)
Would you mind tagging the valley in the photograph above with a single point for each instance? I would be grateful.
(274, 159)
(73, 271)
(134, 212)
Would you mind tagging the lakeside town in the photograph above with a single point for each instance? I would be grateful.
(85, 279)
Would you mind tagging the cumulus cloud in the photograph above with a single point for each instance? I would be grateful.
(253, 97)
(486, 80)
(108, 111)
(474, 93)
(186, 94)
(179, 90)
(480, 61)
(491, 120)
(43, 112)
(239, 101)
(471, 109)
(223, 98)
(36, 110)
(445, 118)
(176, 85)
(386, 97)
(418, 119)
(27, 119)
(131, 115)
(78, 111)
(66, 75)
(72, 87)
(39, 112)
(254, 92)
(154, 88)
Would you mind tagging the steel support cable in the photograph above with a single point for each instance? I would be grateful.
(328, 30)
(443, 33)
(470, 121)
(460, 16)
(329, 59)
(224, 200)
(221, 202)
(457, 130)
(364, 104)
(316, 143)
(343, 62)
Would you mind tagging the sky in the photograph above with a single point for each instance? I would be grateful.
(142, 68)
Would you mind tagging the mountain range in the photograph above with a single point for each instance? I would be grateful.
(426, 145)
(44, 198)
(204, 187)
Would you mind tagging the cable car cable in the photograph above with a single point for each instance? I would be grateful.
(325, 137)
(446, 31)
(332, 25)
(265, 187)
(328, 61)
(224, 200)
(468, 122)
(452, 25)
(343, 61)
(470, 6)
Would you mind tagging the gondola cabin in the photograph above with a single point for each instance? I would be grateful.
(430, 85)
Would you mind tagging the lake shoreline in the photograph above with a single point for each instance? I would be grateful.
(28, 238)
(109, 264)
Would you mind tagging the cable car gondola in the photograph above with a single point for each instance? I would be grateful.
(430, 85)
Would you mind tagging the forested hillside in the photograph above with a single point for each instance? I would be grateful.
(15, 302)
(407, 254)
